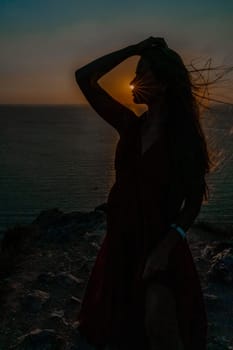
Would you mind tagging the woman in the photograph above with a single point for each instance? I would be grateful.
(144, 291)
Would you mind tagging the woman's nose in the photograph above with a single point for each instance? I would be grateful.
(133, 82)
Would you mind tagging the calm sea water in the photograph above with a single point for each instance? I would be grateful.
(62, 157)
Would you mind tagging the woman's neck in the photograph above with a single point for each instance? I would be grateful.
(154, 116)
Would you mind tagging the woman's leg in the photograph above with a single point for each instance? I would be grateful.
(160, 318)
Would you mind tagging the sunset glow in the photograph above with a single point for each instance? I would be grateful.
(41, 53)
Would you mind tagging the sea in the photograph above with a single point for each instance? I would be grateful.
(62, 156)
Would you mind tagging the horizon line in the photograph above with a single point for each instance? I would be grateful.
(70, 104)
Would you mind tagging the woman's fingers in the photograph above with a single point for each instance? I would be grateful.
(151, 42)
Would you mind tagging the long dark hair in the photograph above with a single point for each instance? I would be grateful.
(188, 147)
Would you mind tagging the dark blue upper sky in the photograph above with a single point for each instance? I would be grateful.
(43, 41)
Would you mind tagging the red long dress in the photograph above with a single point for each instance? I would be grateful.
(140, 208)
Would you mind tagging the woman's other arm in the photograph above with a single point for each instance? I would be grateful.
(187, 215)
(158, 259)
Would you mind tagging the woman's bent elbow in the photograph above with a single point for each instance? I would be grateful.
(84, 82)
(78, 76)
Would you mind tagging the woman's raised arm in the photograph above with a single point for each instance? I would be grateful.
(105, 105)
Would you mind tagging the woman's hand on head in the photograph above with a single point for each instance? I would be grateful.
(150, 43)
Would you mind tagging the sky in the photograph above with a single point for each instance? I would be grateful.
(44, 42)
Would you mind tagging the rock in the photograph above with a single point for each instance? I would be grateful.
(218, 343)
(91, 235)
(211, 300)
(221, 269)
(34, 301)
(72, 307)
(102, 207)
(63, 278)
(215, 247)
(15, 243)
(76, 325)
(211, 297)
(45, 277)
(59, 313)
(16, 239)
(61, 228)
(56, 320)
(75, 300)
(95, 245)
(48, 217)
(39, 339)
(68, 279)
(208, 251)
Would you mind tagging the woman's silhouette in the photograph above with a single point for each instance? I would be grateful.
(144, 291)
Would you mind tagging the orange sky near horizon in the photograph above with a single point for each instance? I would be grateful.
(43, 43)
(65, 90)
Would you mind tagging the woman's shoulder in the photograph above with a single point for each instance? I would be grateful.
(132, 127)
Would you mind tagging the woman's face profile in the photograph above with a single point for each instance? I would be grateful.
(144, 86)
